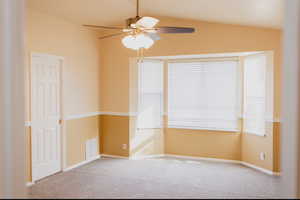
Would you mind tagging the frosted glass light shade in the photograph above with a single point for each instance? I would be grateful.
(138, 41)
(147, 22)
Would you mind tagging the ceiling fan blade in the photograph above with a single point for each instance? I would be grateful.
(168, 29)
(104, 27)
(112, 35)
(147, 22)
(153, 36)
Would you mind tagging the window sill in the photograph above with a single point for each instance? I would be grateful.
(255, 134)
(204, 129)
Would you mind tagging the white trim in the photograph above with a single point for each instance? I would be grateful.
(28, 124)
(114, 156)
(227, 161)
(205, 56)
(92, 114)
(270, 119)
(35, 54)
(276, 173)
(29, 184)
(205, 129)
(204, 159)
(277, 120)
(126, 114)
(267, 119)
(82, 163)
(84, 115)
(196, 158)
(269, 172)
(253, 133)
(243, 117)
(146, 157)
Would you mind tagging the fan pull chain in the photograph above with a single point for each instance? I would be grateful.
(140, 55)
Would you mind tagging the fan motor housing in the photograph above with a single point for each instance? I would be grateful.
(132, 21)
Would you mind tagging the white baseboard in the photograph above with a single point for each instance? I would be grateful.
(276, 174)
(266, 171)
(133, 157)
(114, 156)
(269, 172)
(29, 184)
(203, 158)
(82, 163)
(146, 157)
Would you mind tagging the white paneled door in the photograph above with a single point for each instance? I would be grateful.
(45, 115)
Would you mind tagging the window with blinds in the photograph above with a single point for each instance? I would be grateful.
(203, 95)
(255, 94)
(150, 98)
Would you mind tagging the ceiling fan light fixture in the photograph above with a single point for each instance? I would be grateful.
(133, 25)
(137, 42)
(142, 31)
(145, 41)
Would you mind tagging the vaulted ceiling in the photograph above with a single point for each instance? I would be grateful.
(265, 13)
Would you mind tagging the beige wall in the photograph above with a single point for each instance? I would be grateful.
(114, 133)
(210, 38)
(276, 147)
(253, 145)
(200, 143)
(28, 154)
(81, 76)
(80, 48)
(78, 131)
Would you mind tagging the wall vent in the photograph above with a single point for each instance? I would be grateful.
(91, 149)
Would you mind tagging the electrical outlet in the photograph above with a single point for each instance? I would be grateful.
(124, 146)
(262, 156)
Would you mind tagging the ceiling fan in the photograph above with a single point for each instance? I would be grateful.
(141, 32)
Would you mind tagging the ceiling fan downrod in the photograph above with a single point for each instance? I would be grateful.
(137, 8)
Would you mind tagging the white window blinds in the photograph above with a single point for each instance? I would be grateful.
(203, 95)
(150, 104)
(255, 94)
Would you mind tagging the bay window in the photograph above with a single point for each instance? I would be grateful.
(203, 95)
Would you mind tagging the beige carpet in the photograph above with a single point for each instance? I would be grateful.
(157, 178)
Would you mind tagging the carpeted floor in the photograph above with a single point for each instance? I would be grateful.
(158, 178)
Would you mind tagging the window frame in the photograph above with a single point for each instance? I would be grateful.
(140, 93)
(269, 92)
(239, 92)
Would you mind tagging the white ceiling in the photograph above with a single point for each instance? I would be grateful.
(266, 13)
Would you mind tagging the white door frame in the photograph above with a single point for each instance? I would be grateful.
(62, 128)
